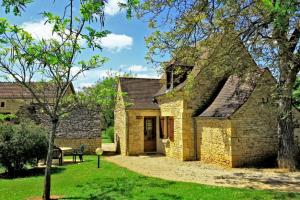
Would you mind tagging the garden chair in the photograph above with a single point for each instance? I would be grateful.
(57, 154)
(78, 152)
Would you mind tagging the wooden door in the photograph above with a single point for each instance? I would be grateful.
(149, 134)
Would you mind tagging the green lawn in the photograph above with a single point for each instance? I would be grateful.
(85, 181)
(106, 140)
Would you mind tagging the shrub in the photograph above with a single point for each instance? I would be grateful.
(108, 134)
(21, 144)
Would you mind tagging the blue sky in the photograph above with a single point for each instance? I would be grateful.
(124, 47)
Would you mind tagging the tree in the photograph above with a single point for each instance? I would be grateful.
(103, 95)
(270, 29)
(53, 61)
(296, 93)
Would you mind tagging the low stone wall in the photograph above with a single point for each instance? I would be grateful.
(80, 126)
(90, 144)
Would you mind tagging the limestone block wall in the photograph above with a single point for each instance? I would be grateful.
(120, 124)
(254, 135)
(136, 129)
(215, 141)
(188, 134)
(12, 105)
(90, 144)
(175, 109)
(80, 126)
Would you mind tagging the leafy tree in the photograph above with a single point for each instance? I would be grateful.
(268, 28)
(103, 95)
(52, 61)
(296, 93)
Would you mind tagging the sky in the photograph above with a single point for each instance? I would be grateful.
(124, 47)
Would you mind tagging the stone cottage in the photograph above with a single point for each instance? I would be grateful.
(80, 126)
(225, 117)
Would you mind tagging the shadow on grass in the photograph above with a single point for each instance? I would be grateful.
(125, 188)
(31, 172)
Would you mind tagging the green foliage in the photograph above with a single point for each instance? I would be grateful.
(20, 145)
(296, 93)
(108, 135)
(16, 5)
(103, 95)
(6, 117)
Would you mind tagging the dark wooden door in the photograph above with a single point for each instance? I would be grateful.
(149, 134)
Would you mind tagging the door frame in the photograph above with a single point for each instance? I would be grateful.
(154, 129)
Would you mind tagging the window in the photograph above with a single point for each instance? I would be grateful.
(171, 128)
(149, 128)
(177, 74)
(163, 131)
(2, 104)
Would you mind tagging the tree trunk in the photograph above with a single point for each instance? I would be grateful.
(286, 152)
(47, 181)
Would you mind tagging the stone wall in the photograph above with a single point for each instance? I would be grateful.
(91, 144)
(120, 124)
(129, 128)
(215, 141)
(254, 135)
(136, 129)
(80, 126)
(12, 105)
(175, 109)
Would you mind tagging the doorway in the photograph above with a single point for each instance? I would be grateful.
(150, 134)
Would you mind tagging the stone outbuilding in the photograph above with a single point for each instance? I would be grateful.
(137, 116)
(226, 118)
(81, 126)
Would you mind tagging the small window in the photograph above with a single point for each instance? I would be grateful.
(171, 128)
(2, 104)
(163, 132)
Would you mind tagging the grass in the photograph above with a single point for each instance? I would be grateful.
(108, 135)
(86, 181)
(106, 140)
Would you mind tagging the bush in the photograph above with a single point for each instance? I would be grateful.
(108, 134)
(21, 144)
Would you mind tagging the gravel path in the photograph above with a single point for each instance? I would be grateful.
(197, 172)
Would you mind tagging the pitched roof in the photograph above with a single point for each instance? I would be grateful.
(232, 96)
(13, 90)
(140, 92)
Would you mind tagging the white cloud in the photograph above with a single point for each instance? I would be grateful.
(42, 30)
(39, 30)
(112, 7)
(116, 42)
(85, 85)
(137, 68)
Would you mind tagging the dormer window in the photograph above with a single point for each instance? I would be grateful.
(177, 74)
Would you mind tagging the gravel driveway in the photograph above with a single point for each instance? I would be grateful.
(197, 172)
